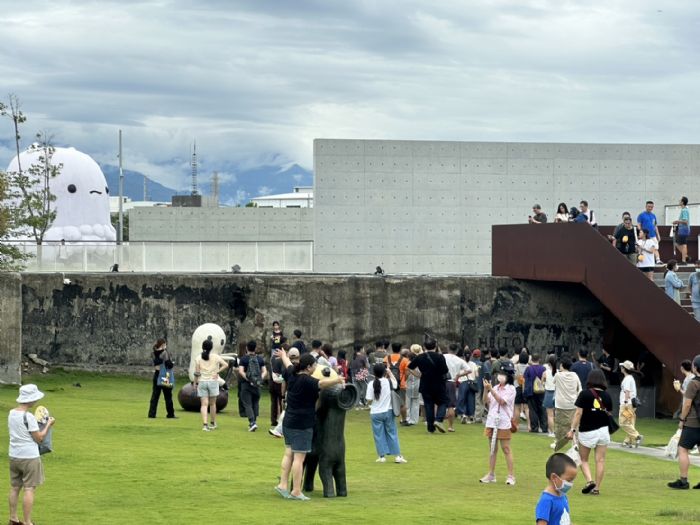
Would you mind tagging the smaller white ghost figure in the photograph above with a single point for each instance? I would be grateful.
(207, 331)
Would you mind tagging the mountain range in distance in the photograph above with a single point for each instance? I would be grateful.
(245, 185)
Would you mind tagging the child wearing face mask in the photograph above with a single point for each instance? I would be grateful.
(553, 506)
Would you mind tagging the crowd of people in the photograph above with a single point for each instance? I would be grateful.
(565, 398)
(555, 394)
(639, 243)
(632, 240)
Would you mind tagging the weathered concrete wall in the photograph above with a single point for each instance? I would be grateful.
(10, 328)
(113, 319)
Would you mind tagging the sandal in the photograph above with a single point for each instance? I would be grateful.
(590, 486)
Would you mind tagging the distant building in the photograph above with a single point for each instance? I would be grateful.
(195, 201)
(302, 197)
(128, 204)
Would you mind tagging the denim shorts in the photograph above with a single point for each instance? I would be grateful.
(208, 389)
(548, 399)
(299, 440)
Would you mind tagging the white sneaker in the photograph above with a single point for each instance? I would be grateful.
(400, 459)
(488, 478)
(510, 480)
(213, 426)
(273, 432)
(553, 445)
(551, 435)
(205, 428)
(464, 420)
(253, 427)
(381, 460)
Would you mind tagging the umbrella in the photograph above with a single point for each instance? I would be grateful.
(494, 436)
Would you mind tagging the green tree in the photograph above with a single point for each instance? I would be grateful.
(11, 256)
(114, 218)
(30, 187)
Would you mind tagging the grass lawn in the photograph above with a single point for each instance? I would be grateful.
(112, 465)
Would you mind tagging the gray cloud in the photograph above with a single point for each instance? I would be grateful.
(256, 81)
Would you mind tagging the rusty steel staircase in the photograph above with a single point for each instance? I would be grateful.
(576, 253)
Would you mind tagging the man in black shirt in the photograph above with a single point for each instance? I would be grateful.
(626, 240)
(608, 364)
(298, 342)
(582, 367)
(432, 387)
(252, 372)
(538, 217)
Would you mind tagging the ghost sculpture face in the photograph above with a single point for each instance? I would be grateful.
(82, 196)
(206, 331)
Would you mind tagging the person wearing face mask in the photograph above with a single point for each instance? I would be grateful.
(694, 288)
(673, 283)
(553, 506)
(500, 400)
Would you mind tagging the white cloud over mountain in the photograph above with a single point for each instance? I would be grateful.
(254, 82)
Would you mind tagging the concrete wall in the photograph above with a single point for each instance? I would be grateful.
(113, 319)
(220, 224)
(10, 328)
(428, 207)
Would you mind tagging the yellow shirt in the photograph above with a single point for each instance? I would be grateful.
(209, 370)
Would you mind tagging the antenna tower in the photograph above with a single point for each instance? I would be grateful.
(194, 169)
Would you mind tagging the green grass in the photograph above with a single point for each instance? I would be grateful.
(112, 465)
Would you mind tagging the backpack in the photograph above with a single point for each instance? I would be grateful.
(395, 368)
(696, 400)
(254, 374)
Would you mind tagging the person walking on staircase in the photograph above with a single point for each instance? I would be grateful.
(673, 283)
(628, 406)
(647, 221)
(694, 289)
(647, 248)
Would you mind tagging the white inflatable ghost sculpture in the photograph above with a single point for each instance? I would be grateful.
(82, 196)
(202, 333)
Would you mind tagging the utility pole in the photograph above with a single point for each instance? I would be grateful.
(215, 188)
(120, 232)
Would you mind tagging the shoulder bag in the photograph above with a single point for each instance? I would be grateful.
(612, 424)
(46, 445)
(166, 376)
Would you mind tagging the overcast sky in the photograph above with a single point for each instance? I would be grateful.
(256, 81)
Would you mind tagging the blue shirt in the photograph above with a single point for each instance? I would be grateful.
(553, 509)
(694, 285)
(672, 283)
(648, 222)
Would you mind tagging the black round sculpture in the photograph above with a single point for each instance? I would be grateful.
(189, 401)
(328, 452)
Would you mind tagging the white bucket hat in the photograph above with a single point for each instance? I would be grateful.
(29, 393)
